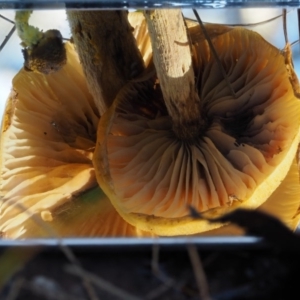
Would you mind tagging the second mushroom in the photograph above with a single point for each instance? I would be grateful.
(212, 132)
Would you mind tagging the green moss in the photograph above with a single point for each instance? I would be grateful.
(29, 35)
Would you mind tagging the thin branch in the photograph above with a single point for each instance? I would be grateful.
(163, 288)
(298, 17)
(64, 248)
(6, 19)
(215, 54)
(155, 260)
(7, 37)
(199, 273)
(107, 50)
(167, 283)
(15, 288)
(48, 289)
(101, 283)
(284, 26)
(244, 24)
(294, 43)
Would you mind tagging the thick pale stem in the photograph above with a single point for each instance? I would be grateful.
(107, 51)
(173, 62)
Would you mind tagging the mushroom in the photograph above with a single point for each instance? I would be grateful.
(63, 190)
(241, 153)
(47, 142)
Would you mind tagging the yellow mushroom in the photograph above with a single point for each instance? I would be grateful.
(243, 151)
(49, 134)
(47, 142)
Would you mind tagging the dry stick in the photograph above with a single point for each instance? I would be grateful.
(284, 26)
(288, 56)
(286, 39)
(155, 259)
(15, 288)
(107, 51)
(7, 37)
(7, 19)
(159, 291)
(47, 289)
(64, 248)
(167, 282)
(298, 17)
(101, 283)
(243, 24)
(173, 63)
(293, 43)
(12, 260)
(199, 272)
(214, 52)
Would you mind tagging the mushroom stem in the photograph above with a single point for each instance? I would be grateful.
(173, 62)
(107, 51)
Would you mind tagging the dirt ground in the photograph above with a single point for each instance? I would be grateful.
(268, 270)
(130, 274)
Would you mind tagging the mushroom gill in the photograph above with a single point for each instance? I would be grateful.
(47, 142)
(240, 156)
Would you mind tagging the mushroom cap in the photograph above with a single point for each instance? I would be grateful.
(283, 204)
(238, 160)
(47, 143)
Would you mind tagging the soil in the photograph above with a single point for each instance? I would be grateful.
(268, 270)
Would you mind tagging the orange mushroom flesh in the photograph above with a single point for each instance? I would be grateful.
(239, 158)
(283, 204)
(47, 143)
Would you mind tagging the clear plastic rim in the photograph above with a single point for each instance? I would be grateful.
(208, 242)
(142, 4)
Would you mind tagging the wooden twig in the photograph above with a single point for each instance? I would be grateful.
(198, 272)
(6, 39)
(15, 288)
(107, 50)
(101, 283)
(7, 19)
(284, 26)
(64, 248)
(167, 282)
(173, 63)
